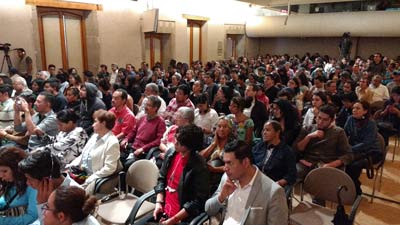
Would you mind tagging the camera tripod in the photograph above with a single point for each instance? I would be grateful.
(6, 58)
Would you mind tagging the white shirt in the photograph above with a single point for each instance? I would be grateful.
(206, 121)
(160, 111)
(247, 111)
(237, 202)
(381, 93)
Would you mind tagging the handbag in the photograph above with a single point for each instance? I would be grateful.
(6, 211)
(77, 174)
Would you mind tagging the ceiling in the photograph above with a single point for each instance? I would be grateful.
(276, 3)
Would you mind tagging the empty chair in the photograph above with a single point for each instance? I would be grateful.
(141, 177)
(323, 184)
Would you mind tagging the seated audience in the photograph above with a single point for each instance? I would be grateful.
(100, 156)
(104, 87)
(147, 134)
(42, 172)
(222, 100)
(124, 117)
(214, 152)
(242, 125)
(294, 84)
(52, 86)
(73, 101)
(182, 186)
(183, 116)
(363, 91)
(181, 99)
(274, 157)
(6, 107)
(362, 132)
(151, 90)
(43, 123)
(20, 86)
(322, 144)
(17, 200)
(37, 86)
(388, 119)
(381, 92)
(69, 206)
(205, 117)
(89, 104)
(243, 187)
(346, 110)
(286, 114)
(69, 142)
(256, 111)
(318, 99)
(270, 89)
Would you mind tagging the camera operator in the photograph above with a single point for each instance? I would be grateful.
(24, 65)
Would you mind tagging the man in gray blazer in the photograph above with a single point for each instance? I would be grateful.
(246, 195)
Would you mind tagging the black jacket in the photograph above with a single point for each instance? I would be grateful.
(193, 184)
(280, 165)
(259, 115)
(88, 106)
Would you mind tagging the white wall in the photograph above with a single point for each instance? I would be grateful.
(16, 28)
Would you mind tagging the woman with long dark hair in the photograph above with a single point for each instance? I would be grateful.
(286, 114)
(17, 200)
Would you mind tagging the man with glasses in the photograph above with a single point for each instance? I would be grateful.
(322, 144)
(147, 134)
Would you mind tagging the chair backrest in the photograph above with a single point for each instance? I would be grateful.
(142, 175)
(323, 184)
(383, 148)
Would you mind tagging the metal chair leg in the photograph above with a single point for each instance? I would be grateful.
(373, 190)
(396, 144)
(380, 178)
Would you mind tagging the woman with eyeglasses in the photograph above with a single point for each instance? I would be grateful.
(69, 205)
(17, 199)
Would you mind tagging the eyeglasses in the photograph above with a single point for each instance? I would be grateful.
(46, 207)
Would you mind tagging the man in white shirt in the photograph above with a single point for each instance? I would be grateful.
(245, 195)
(381, 92)
(151, 89)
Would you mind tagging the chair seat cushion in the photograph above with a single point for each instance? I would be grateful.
(117, 210)
(311, 214)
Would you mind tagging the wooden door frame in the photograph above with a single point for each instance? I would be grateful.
(44, 11)
(153, 36)
(190, 24)
(233, 37)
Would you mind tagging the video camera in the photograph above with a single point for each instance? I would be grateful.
(5, 47)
